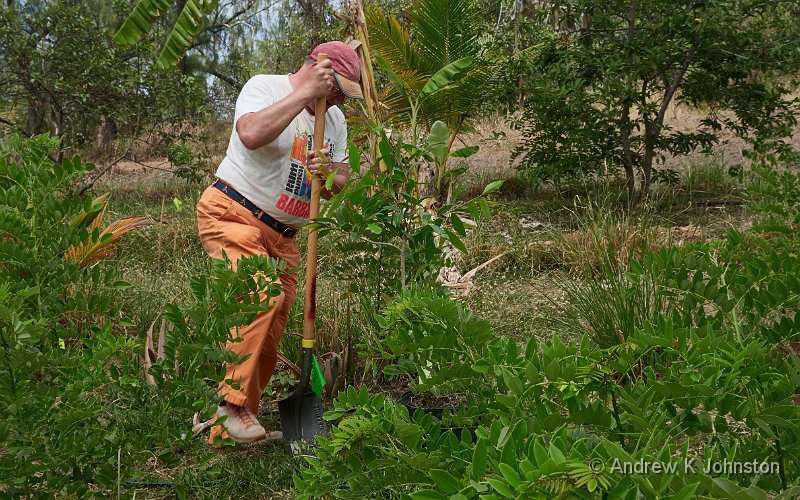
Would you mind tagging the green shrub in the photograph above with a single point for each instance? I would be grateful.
(58, 326)
(706, 378)
(431, 339)
(76, 417)
(388, 237)
(776, 203)
(564, 419)
(192, 366)
(392, 240)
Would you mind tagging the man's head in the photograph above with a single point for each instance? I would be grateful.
(346, 67)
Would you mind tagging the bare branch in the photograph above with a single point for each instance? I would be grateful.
(677, 79)
(233, 82)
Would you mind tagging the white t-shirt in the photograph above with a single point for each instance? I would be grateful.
(273, 177)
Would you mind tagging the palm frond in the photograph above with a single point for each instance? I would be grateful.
(441, 52)
(445, 30)
(140, 21)
(390, 40)
(398, 83)
(95, 250)
(396, 107)
(186, 27)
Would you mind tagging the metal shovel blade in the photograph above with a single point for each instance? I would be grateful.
(301, 417)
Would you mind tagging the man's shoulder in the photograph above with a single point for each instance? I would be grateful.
(268, 76)
(336, 114)
(261, 79)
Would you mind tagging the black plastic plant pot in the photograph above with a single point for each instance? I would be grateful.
(434, 411)
(437, 412)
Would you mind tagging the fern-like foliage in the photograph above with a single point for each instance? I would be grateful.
(556, 485)
(351, 433)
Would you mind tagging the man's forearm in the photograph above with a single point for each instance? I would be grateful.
(260, 128)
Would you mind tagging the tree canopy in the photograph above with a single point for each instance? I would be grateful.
(611, 70)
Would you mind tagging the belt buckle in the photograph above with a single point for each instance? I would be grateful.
(288, 232)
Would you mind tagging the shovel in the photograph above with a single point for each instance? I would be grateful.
(301, 412)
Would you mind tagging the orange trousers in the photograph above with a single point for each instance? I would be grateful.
(226, 225)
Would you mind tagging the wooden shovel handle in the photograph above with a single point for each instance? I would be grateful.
(310, 305)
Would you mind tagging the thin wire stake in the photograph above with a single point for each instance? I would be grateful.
(119, 467)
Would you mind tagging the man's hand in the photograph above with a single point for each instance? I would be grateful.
(320, 80)
(320, 164)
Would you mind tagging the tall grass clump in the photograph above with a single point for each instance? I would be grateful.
(602, 297)
(604, 232)
(709, 174)
(610, 304)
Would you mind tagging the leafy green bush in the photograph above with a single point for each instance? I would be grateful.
(389, 238)
(776, 203)
(708, 380)
(181, 152)
(386, 231)
(57, 326)
(75, 413)
(606, 78)
(194, 352)
(569, 418)
(431, 339)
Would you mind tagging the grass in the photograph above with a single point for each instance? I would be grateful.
(560, 274)
(709, 174)
(257, 471)
(517, 305)
(254, 471)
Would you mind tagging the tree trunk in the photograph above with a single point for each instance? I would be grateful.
(654, 128)
(627, 157)
(105, 137)
(35, 117)
(520, 82)
(313, 11)
(625, 123)
(586, 28)
(650, 138)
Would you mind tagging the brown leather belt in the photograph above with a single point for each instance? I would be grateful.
(280, 227)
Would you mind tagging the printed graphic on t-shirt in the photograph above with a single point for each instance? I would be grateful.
(296, 197)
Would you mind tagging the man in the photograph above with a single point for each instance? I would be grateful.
(262, 197)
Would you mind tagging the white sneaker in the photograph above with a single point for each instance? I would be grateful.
(241, 424)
